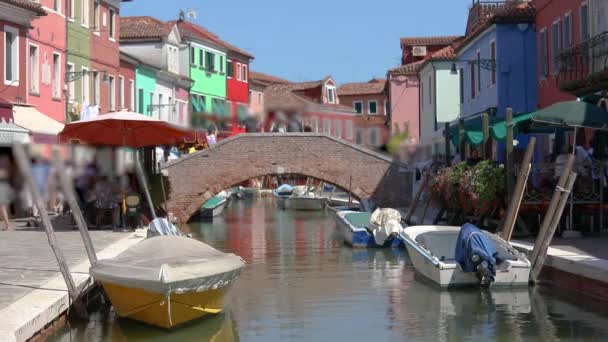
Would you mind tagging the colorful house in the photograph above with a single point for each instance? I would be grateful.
(439, 97)
(415, 49)
(162, 89)
(258, 82)
(237, 86)
(368, 99)
(79, 36)
(127, 82)
(402, 89)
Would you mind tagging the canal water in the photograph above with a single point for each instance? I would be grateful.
(302, 284)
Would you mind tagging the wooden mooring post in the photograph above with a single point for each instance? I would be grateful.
(546, 233)
(520, 187)
(25, 167)
(144, 184)
(485, 129)
(509, 152)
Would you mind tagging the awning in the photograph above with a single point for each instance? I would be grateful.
(11, 133)
(37, 123)
(572, 114)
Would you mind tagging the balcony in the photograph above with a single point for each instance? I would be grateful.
(481, 10)
(584, 67)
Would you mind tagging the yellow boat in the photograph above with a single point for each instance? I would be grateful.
(167, 281)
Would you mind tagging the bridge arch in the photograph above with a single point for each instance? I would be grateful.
(197, 177)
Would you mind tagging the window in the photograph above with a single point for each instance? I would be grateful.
(386, 108)
(140, 101)
(221, 64)
(461, 75)
(372, 107)
(359, 136)
(584, 15)
(121, 92)
(112, 100)
(96, 17)
(556, 45)
(331, 95)
(374, 136)
(478, 72)
(173, 59)
(349, 129)
(84, 13)
(238, 71)
(86, 86)
(202, 103)
(327, 126)
(543, 53)
(358, 107)
(244, 74)
(132, 95)
(56, 76)
(229, 69)
(57, 6)
(568, 30)
(338, 128)
(71, 87)
(161, 107)
(260, 100)
(472, 80)
(34, 69)
(493, 58)
(151, 104)
(430, 90)
(314, 122)
(201, 58)
(210, 61)
(72, 6)
(171, 110)
(96, 87)
(112, 25)
(192, 55)
(11, 55)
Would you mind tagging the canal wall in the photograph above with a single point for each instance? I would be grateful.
(44, 303)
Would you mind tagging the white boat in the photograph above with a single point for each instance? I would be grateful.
(354, 227)
(432, 250)
(304, 202)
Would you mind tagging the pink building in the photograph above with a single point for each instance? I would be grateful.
(258, 82)
(126, 82)
(46, 60)
(403, 97)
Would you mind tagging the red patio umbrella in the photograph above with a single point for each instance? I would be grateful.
(124, 128)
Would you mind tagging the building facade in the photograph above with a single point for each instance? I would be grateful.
(237, 88)
(403, 87)
(79, 36)
(127, 83)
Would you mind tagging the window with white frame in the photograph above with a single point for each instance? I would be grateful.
(358, 107)
(478, 71)
(244, 74)
(374, 136)
(556, 46)
(161, 107)
(338, 128)
(461, 76)
(385, 107)
(173, 59)
(221, 64)
(331, 94)
(121, 92)
(210, 61)
(34, 61)
(372, 107)
(473, 88)
(112, 86)
(86, 86)
(493, 58)
(568, 40)
(56, 82)
(229, 69)
(96, 87)
(11, 55)
(57, 6)
(71, 9)
(314, 123)
(192, 55)
(96, 17)
(84, 13)
(349, 129)
(359, 137)
(112, 26)
(543, 53)
(71, 85)
(327, 126)
(171, 110)
(132, 95)
(584, 19)
(238, 71)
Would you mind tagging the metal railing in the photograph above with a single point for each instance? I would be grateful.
(583, 65)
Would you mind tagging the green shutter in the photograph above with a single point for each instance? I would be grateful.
(202, 102)
(195, 104)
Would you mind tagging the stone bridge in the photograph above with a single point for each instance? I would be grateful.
(197, 177)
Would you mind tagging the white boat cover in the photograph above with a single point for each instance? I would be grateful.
(162, 226)
(168, 265)
(384, 223)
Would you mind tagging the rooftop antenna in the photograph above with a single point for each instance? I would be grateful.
(182, 15)
(191, 15)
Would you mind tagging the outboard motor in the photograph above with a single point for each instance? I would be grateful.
(476, 252)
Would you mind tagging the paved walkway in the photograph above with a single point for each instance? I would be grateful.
(32, 290)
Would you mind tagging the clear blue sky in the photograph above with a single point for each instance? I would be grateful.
(352, 40)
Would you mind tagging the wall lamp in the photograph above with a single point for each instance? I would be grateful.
(76, 75)
(487, 64)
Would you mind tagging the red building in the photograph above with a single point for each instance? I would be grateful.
(105, 55)
(126, 82)
(237, 86)
(414, 49)
(559, 27)
(369, 100)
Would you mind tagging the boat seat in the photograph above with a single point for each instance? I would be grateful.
(440, 244)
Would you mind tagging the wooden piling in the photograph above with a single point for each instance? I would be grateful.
(416, 199)
(485, 129)
(541, 255)
(522, 180)
(509, 152)
(551, 211)
(25, 167)
(141, 177)
(67, 186)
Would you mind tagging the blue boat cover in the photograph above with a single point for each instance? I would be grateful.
(471, 241)
(284, 189)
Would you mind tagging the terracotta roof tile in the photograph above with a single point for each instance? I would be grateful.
(28, 5)
(408, 69)
(375, 86)
(186, 28)
(265, 78)
(447, 52)
(438, 40)
(144, 27)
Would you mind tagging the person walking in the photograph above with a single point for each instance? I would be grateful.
(6, 191)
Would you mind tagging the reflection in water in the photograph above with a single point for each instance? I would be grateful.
(302, 284)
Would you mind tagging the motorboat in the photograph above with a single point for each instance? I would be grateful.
(167, 281)
(298, 198)
(364, 229)
(281, 193)
(464, 256)
(213, 207)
